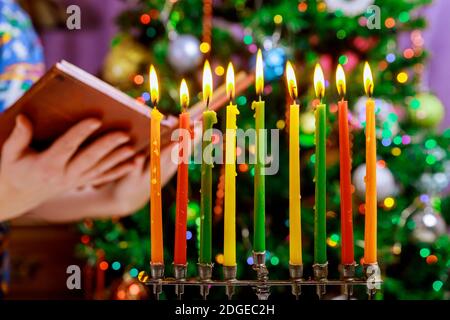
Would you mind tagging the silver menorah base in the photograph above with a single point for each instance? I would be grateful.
(262, 284)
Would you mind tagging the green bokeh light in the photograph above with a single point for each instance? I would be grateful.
(424, 252)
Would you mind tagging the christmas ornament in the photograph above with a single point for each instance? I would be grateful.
(386, 186)
(426, 110)
(429, 225)
(433, 183)
(124, 61)
(350, 8)
(274, 62)
(386, 114)
(184, 53)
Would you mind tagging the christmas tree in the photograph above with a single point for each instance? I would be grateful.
(413, 158)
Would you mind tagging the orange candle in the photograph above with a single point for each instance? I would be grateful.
(156, 233)
(370, 233)
(182, 182)
(347, 250)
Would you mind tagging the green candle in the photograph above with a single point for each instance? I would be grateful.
(259, 240)
(209, 119)
(259, 237)
(320, 232)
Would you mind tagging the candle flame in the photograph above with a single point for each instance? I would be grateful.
(291, 81)
(340, 81)
(184, 95)
(368, 80)
(230, 81)
(319, 82)
(154, 88)
(207, 83)
(259, 73)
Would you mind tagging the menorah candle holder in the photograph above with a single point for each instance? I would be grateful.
(180, 271)
(372, 274)
(348, 272)
(321, 276)
(229, 275)
(296, 274)
(205, 275)
(157, 272)
(262, 274)
(371, 280)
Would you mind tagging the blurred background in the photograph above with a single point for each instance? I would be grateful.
(410, 57)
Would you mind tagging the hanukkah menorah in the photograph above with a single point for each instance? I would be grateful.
(262, 284)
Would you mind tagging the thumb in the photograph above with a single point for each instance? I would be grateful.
(19, 140)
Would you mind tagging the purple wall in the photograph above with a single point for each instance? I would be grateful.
(437, 41)
(87, 47)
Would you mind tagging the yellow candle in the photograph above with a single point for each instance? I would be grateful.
(229, 251)
(156, 230)
(370, 233)
(295, 229)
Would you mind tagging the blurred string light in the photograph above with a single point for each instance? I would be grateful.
(390, 57)
(138, 79)
(437, 285)
(389, 203)
(424, 252)
(145, 18)
(219, 71)
(402, 77)
(134, 272)
(389, 23)
(302, 6)
(343, 59)
(116, 265)
(205, 47)
(278, 19)
(219, 258)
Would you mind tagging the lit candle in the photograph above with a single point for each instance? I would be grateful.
(259, 239)
(370, 233)
(347, 255)
(157, 250)
(209, 119)
(182, 180)
(295, 229)
(229, 242)
(320, 232)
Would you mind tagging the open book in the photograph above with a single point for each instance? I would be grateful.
(67, 94)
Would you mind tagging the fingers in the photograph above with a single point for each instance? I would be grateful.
(139, 164)
(91, 155)
(19, 140)
(65, 147)
(114, 174)
(110, 161)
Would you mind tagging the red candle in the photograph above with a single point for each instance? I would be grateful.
(347, 251)
(182, 181)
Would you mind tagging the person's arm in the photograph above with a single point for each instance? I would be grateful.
(118, 198)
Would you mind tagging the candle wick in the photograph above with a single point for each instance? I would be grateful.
(260, 98)
(207, 102)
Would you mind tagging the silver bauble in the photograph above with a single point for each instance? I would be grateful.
(386, 186)
(429, 225)
(184, 53)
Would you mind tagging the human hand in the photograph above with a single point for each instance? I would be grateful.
(29, 178)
